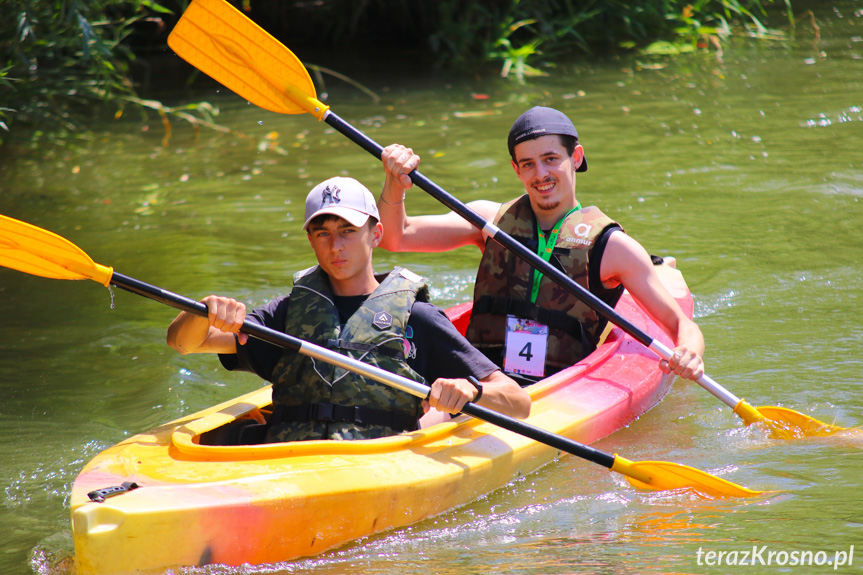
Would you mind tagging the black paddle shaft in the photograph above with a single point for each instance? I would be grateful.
(183, 303)
(540, 435)
(300, 346)
(497, 235)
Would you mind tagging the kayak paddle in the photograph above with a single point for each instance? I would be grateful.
(223, 43)
(36, 251)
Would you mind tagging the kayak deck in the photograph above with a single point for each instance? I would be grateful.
(202, 504)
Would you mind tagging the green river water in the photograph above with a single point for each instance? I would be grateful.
(748, 169)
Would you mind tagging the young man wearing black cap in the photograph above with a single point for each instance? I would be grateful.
(583, 242)
(383, 320)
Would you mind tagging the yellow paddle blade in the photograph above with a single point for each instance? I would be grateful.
(32, 250)
(784, 423)
(663, 475)
(220, 41)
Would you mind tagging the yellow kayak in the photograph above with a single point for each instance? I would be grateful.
(169, 497)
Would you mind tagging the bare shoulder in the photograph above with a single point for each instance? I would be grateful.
(486, 208)
(623, 261)
(443, 232)
(488, 211)
(622, 246)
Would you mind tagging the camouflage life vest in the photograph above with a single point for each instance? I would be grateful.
(504, 280)
(315, 400)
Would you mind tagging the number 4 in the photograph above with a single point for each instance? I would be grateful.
(525, 352)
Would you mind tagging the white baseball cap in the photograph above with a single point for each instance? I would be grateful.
(343, 197)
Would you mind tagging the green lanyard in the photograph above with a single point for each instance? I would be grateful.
(544, 250)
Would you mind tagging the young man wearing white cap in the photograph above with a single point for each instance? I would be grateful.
(582, 242)
(383, 320)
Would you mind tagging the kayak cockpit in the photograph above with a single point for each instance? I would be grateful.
(214, 435)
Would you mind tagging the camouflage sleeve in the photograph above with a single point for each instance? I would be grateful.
(437, 349)
(257, 356)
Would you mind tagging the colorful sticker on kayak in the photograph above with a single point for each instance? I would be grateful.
(526, 344)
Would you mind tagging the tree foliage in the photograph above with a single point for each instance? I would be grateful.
(58, 58)
(62, 59)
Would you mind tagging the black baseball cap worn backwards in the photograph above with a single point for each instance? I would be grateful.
(542, 121)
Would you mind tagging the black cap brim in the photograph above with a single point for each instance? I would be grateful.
(541, 121)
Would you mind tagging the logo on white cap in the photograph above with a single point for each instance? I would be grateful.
(343, 197)
(330, 195)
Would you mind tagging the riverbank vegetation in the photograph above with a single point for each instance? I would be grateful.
(64, 62)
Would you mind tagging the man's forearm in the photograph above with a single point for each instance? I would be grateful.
(391, 207)
(188, 332)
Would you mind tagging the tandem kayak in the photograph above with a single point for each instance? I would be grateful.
(168, 498)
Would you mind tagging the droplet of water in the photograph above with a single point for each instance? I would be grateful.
(111, 291)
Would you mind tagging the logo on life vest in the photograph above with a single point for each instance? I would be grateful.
(582, 231)
(382, 320)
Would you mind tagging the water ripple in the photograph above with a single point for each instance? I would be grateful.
(707, 306)
(850, 114)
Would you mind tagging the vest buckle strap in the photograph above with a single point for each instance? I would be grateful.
(554, 319)
(363, 347)
(334, 413)
(350, 345)
(321, 412)
(493, 305)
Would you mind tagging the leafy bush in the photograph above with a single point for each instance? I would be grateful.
(524, 31)
(60, 57)
(519, 34)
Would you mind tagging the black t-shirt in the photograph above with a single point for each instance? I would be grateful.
(434, 347)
